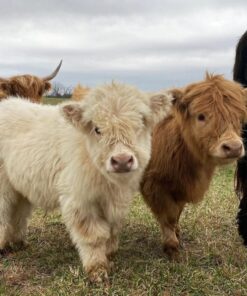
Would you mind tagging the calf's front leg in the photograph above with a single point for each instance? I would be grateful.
(167, 211)
(168, 219)
(90, 235)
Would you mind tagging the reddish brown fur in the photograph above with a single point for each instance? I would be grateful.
(183, 150)
(79, 92)
(26, 86)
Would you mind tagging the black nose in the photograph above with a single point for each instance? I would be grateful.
(122, 163)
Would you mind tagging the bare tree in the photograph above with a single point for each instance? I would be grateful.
(60, 91)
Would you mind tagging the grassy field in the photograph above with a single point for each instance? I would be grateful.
(213, 258)
(53, 101)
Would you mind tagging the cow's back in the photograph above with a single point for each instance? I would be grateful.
(19, 116)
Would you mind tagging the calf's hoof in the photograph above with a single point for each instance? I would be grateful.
(173, 254)
(171, 248)
(5, 251)
(13, 247)
(98, 275)
(19, 245)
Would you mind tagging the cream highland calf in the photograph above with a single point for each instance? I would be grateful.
(86, 158)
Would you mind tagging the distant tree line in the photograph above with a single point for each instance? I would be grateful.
(60, 91)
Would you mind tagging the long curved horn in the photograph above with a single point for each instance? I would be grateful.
(54, 73)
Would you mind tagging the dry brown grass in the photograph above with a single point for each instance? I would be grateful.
(213, 259)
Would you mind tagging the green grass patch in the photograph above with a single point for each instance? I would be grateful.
(53, 101)
(213, 260)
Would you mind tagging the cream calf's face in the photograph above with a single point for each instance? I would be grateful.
(121, 160)
(117, 122)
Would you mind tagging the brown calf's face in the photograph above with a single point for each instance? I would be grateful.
(211, 114)
(117, 121)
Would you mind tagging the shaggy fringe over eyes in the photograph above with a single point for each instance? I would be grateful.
(119, 131)
(215, 92)
(119, 112)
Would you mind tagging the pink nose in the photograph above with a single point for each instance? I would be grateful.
(122, 163)
(232, 149)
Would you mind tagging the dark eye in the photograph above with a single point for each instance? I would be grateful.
(97, 131)
(201, 117)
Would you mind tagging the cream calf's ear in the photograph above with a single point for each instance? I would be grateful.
(73, 113)
(160, 104)
(178, 102)
(176, 94)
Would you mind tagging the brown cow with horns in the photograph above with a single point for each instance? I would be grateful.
(26, 86)
(203, 132)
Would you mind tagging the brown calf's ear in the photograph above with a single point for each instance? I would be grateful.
(160, 104)
(73, 113)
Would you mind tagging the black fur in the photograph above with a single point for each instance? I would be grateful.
(242, 219)
(240, 65)
(240, 75)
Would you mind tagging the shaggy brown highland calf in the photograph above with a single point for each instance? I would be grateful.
(203, 132)
(79, 92)
(26, 86)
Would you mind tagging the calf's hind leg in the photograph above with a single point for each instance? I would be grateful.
(8, 201)
(22, 211)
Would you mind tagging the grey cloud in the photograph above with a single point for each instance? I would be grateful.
(57, 8)
(149, 43)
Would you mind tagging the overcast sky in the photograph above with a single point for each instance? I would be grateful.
(152, 44)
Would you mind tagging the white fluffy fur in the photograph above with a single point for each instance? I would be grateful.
(51, 157)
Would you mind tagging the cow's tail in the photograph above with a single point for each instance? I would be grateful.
(240, 75)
